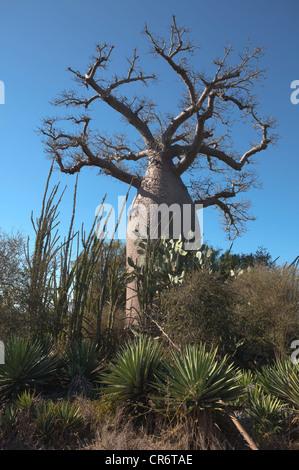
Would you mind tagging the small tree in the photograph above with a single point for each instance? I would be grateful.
(12, 277)
(194, 139)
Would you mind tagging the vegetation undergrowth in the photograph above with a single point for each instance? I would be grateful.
(214, 340)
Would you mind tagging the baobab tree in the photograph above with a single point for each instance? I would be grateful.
(183, 158)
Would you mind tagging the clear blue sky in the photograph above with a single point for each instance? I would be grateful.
(40, 39)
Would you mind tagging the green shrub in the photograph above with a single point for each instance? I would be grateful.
(68, 417)
(252, 315)
(131, 375)
(26, 401)
(248, 381)
(195, 379)
(12, 284)
(265, 312)
(82, 363)
(266, 411)
(57, 419)
(200, 311)
(28, 365)
(281, 379)
(9, 418)
(45, 420)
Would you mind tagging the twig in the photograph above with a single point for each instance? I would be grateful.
(165, 334)
(240, 428)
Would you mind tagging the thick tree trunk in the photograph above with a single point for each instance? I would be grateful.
(162, 197)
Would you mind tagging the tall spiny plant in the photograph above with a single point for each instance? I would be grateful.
(107, 280)
(95, 254)
(83, 269)
(60, 281)
(61, 291)
(42, 262)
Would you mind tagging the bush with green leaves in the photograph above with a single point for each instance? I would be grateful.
(248, 381)
(29, 364)
(200, 311)
(164, 264)
(265, 312)
(9, 418)
(281, 379)
(53, 419)
(44, 420)
(252, 315)
(131, 375)
(267, 411)
(68, 417)
(12, 282)
(195, 379)
(26, 401)
(82, 364)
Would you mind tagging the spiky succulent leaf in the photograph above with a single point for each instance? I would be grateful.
(133, 371)
(195, 378)
(83, 359)
(29, 364)
(282, 380)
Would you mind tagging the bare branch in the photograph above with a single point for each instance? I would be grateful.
(134, 75)
(177, 45)
(104, 52)
(124, 110)
(212, 151)
(59, 144)
(104, 91)
(235, 214)
(72, 99)
(212, 200)
(239, 78)
(194, 148)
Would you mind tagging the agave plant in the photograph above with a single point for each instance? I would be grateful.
(131, 375)
(81, 365)
(266, 411)
(28, 365)
(248, 381)
(282, 380)
(26, 400)
(45, 420)
(9, 418)
(68, 417)
(53, 418)
(195, 380)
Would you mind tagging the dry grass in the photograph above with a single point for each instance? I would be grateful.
(118, 431)
(107, 428)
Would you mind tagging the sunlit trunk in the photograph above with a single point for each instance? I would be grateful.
(162, 204)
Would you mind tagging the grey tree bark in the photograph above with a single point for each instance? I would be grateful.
(164, 206)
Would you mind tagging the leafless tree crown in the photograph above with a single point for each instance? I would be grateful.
(197, 139)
